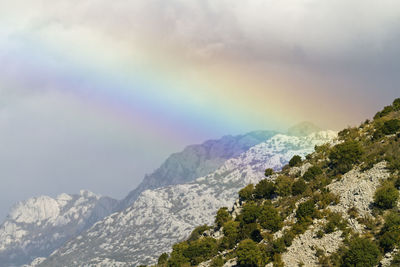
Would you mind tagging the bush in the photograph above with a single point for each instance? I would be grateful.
(396, 104)
(248, 253)
(343, 156)
(295, 160)
(218, 262)
(386, 110)
(284, 185)
(231, 234)
(299, 187)
(396, 260)
(386, 196)
(177, 259)
(264, 189)
(246, 193)
(311, 173)
(391, 126)
(197, 232)
(389, 239)
(250, 213)
(269, 172)
(222, 217)
(163, 259)
(392, 221)
(335, 221)
(306, 210)
(270, 218)
(201, 250)
(362, 252)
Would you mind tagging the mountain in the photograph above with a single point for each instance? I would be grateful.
(338, 207)
(303, 129)
(196, 161)
(161, 217)
(39, 225)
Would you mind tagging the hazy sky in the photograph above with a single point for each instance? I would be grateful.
(96, 93)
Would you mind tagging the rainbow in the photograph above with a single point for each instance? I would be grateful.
(157, 91)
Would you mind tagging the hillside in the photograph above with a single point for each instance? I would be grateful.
(196, 161)
(338, 207)
(37, 226)
(161, 217)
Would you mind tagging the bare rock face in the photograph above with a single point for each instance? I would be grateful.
(36, 227)
(162, 217)
(355, 189)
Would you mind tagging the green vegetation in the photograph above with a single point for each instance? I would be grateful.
(247, 192)
(362, 252)
(299, 187)
(266, 205)
(343, 156)
(249, 254)
(295, 160)
(312, 172)
(386, 196)
(270, 219)
(306, 210)
(264, 189)
(268, 172)
(222, 217)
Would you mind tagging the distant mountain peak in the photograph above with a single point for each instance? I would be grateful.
(303, 129)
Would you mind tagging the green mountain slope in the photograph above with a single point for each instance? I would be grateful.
(337, 207)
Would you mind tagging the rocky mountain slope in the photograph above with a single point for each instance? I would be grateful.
(196, 161)
(338, 207)
(160, 217)
(37, 226)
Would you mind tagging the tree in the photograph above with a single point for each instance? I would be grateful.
(391, 126)
(343, 156)
(270, 218)
(362, 252)
(268, 172)
(306, 210)
(284, 185)
(250, 213)
(396, 104)
(200, 250)
(386, 196)
(299, 187)
(295, 160)
(197, 232)
(312, 172)
(163, 259)
(222, 217)
(248, 253)
(265, 189)
(231, 234)
(246, 193)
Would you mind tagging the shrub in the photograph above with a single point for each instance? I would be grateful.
(284, 186)
(396, 104)
(270, 218)
(222, 216)
(396, 260)
(335, 221)
(197, 232)
(218, 262)
(246, 193)
(306, 210)
(264, 189)
(386, 196)
(163, 259)
(386, 110)
(343, 156)
(248, 253)
(250, 213)
(200, 250)
(299, 187)
(269, 172)
(391, 126)
(295, 160)
(362, 252)
(177, 259)
(311, 173)
(231, 234)
(392, 221)
(389, 239)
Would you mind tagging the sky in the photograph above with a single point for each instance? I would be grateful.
(96, 93)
